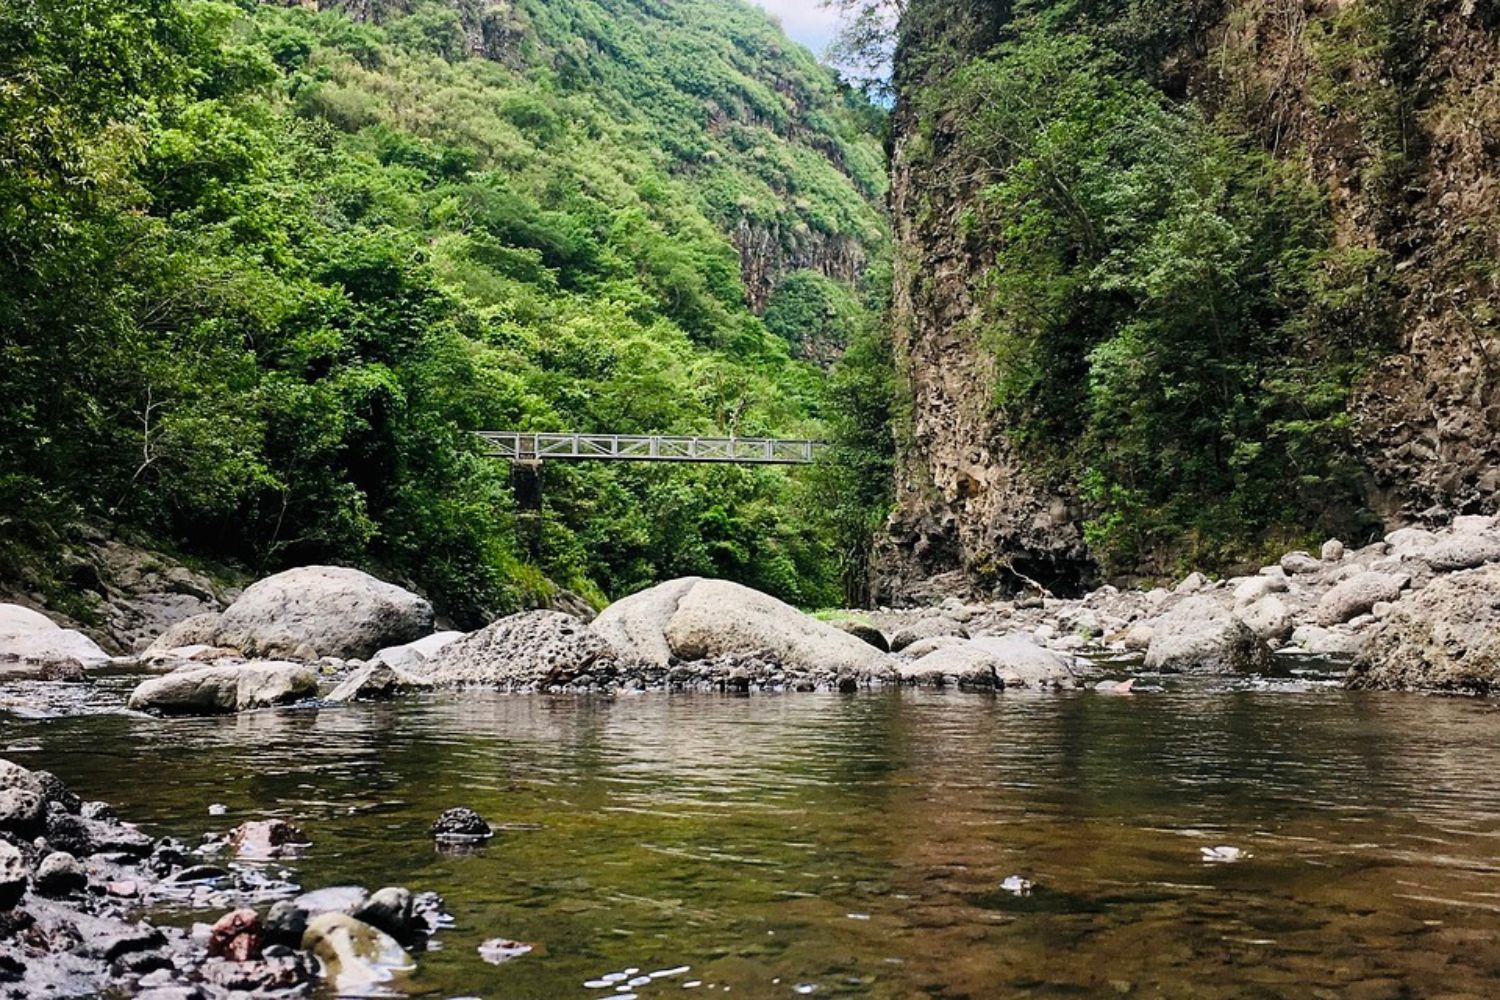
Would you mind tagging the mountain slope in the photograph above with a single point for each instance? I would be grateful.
(266, 267)
(1181, 282)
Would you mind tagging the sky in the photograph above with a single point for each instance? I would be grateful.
(805, 20)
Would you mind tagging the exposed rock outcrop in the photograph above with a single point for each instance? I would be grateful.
(1446, 638)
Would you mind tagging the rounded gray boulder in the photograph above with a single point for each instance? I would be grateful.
(336, 611)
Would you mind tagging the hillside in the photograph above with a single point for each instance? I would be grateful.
(266, 266)
(1186, 282)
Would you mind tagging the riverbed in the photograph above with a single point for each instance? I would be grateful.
(885, 845)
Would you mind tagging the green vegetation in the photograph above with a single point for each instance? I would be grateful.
(263, 269)
(1176, 331)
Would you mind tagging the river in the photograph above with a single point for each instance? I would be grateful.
(860, 846)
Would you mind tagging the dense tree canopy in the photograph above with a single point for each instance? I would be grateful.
(262, 270)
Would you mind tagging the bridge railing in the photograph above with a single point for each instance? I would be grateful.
(525, 446)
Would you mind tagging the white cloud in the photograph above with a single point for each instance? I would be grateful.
(805, 20)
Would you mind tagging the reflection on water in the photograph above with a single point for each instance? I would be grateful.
(900, 845)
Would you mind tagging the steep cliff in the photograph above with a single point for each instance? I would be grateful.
(1379, 324)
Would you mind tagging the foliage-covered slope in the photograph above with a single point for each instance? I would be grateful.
(265, 268)
(1223, 277)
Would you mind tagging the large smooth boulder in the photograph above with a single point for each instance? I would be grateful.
(534, 649)
(963, 666)
(1199, 636)
(336, 611)
(220, 688)
(1020, 661)
(30, 637)
(1445, 638)
(1359, 595)
(697, 619)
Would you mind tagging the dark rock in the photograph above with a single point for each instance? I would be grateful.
(237, 936)
(127, 940)
(66, 832)
(461, 823)
(197, 873)
(101, 811)
(60, 874)
(268, 838)
(53, 790)
(14, 873)
(390, 910)
(285, 924)
(866, 633)
(66, 671)
(283, 970)
(23, 811)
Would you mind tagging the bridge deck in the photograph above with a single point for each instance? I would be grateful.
(521, 446)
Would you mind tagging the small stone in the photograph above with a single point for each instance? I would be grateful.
(461, 824)
(13, 875)
(60, 874)
(268, 838)
(237, 936)
(500, 950)
(1300, 563)
(123, 889)
(1332, 551)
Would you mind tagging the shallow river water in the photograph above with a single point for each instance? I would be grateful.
(859, 846)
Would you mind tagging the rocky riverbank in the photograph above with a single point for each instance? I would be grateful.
(1413, 611)
(75, 881)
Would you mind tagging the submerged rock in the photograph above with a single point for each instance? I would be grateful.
(217, 689)
(354, 954)
(333, 610)
(1445, 638)
(1199, 636)
(263, 839)
(460, 822)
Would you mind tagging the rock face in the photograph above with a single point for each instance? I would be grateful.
(336, 611)
(699, 619)
(214, 689)
(1198, 636)
(534, 649)
(1446, 638)
(1426, 421)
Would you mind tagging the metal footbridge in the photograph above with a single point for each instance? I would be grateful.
(529, 447)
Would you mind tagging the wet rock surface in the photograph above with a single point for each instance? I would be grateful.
(69, 925)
